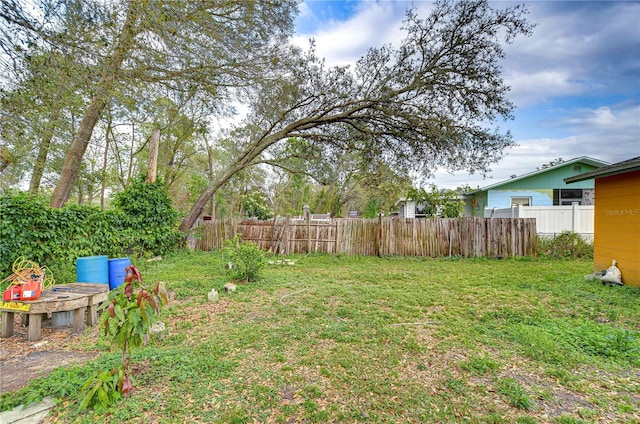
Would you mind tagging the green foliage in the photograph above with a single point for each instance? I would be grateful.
(254, 206)
(195, 186)
(371, 208)
(516, 394)
(62, 382)
(599, 340)
(147, 207)
(245, 259)
(436, 202)
(567, 341)
(565, 245)
(566, 419)
(130, 313)
(143, 220)
(480, 365)
(56, 237)
(294, 191)
(102, 389)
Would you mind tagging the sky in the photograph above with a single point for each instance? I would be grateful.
(575, 82)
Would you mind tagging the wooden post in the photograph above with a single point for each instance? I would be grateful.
(35, 324)
(450, 237)
(79, 319)
(280, 240)
(7, 323)
(307, 217)
(152, 171)
(379, 234)
(285, 234)
(273, 233)
(337, 242)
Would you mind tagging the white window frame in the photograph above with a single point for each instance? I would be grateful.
(520, 200)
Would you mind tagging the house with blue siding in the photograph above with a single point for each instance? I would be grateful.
(543, 187)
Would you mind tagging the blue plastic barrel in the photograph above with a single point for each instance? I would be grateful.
(93, 269)
(117, 271)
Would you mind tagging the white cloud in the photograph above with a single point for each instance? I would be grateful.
(608, 133)
(535, 87)
(611, 133)
(606, 119)
(577, 48)
(343, 42)
(577, 75)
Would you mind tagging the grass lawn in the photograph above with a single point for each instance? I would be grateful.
(380, 340)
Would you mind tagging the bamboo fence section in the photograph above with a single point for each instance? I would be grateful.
(431, 237)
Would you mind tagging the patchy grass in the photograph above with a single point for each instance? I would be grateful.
(342, 339)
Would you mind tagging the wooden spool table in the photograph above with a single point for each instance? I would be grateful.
(81, 298)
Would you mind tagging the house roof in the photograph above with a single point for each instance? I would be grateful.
(623, 167)
(401, 201)
(404, 200)
(582, 159)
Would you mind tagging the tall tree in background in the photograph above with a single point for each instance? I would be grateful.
(206, 46)
(433, 101)
(383, 187)
(38, 112)
(436, 202)
(289, 192)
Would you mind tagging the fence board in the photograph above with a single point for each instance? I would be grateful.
(466, 236)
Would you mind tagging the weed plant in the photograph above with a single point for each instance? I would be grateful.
(566, 245)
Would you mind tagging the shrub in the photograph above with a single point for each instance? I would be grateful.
(143, 221)
(244, 259)
(147, 208)
(565, 245)
(55, 237)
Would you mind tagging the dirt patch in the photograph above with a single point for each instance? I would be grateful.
(17, 372)
(22, 361)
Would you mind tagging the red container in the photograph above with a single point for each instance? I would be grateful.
(31, 290)
(13, 293)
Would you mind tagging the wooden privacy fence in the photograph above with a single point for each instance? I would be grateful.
(432, 237)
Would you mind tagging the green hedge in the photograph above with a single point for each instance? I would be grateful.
(142, 222)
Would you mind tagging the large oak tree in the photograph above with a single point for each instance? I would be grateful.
(431, 101)
(434, 100)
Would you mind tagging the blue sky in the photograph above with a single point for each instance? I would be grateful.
(575, 82)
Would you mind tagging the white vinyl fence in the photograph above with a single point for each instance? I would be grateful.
(551, 220)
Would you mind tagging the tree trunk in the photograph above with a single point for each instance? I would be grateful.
(73, 160)
(245, 160)
(133, 140)
(191, 217)
(105, 158)
(41, 161)
(6, 158)
(43, 152)
(152, 171)
(80, 195)
(210, 158)
(110, 73)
